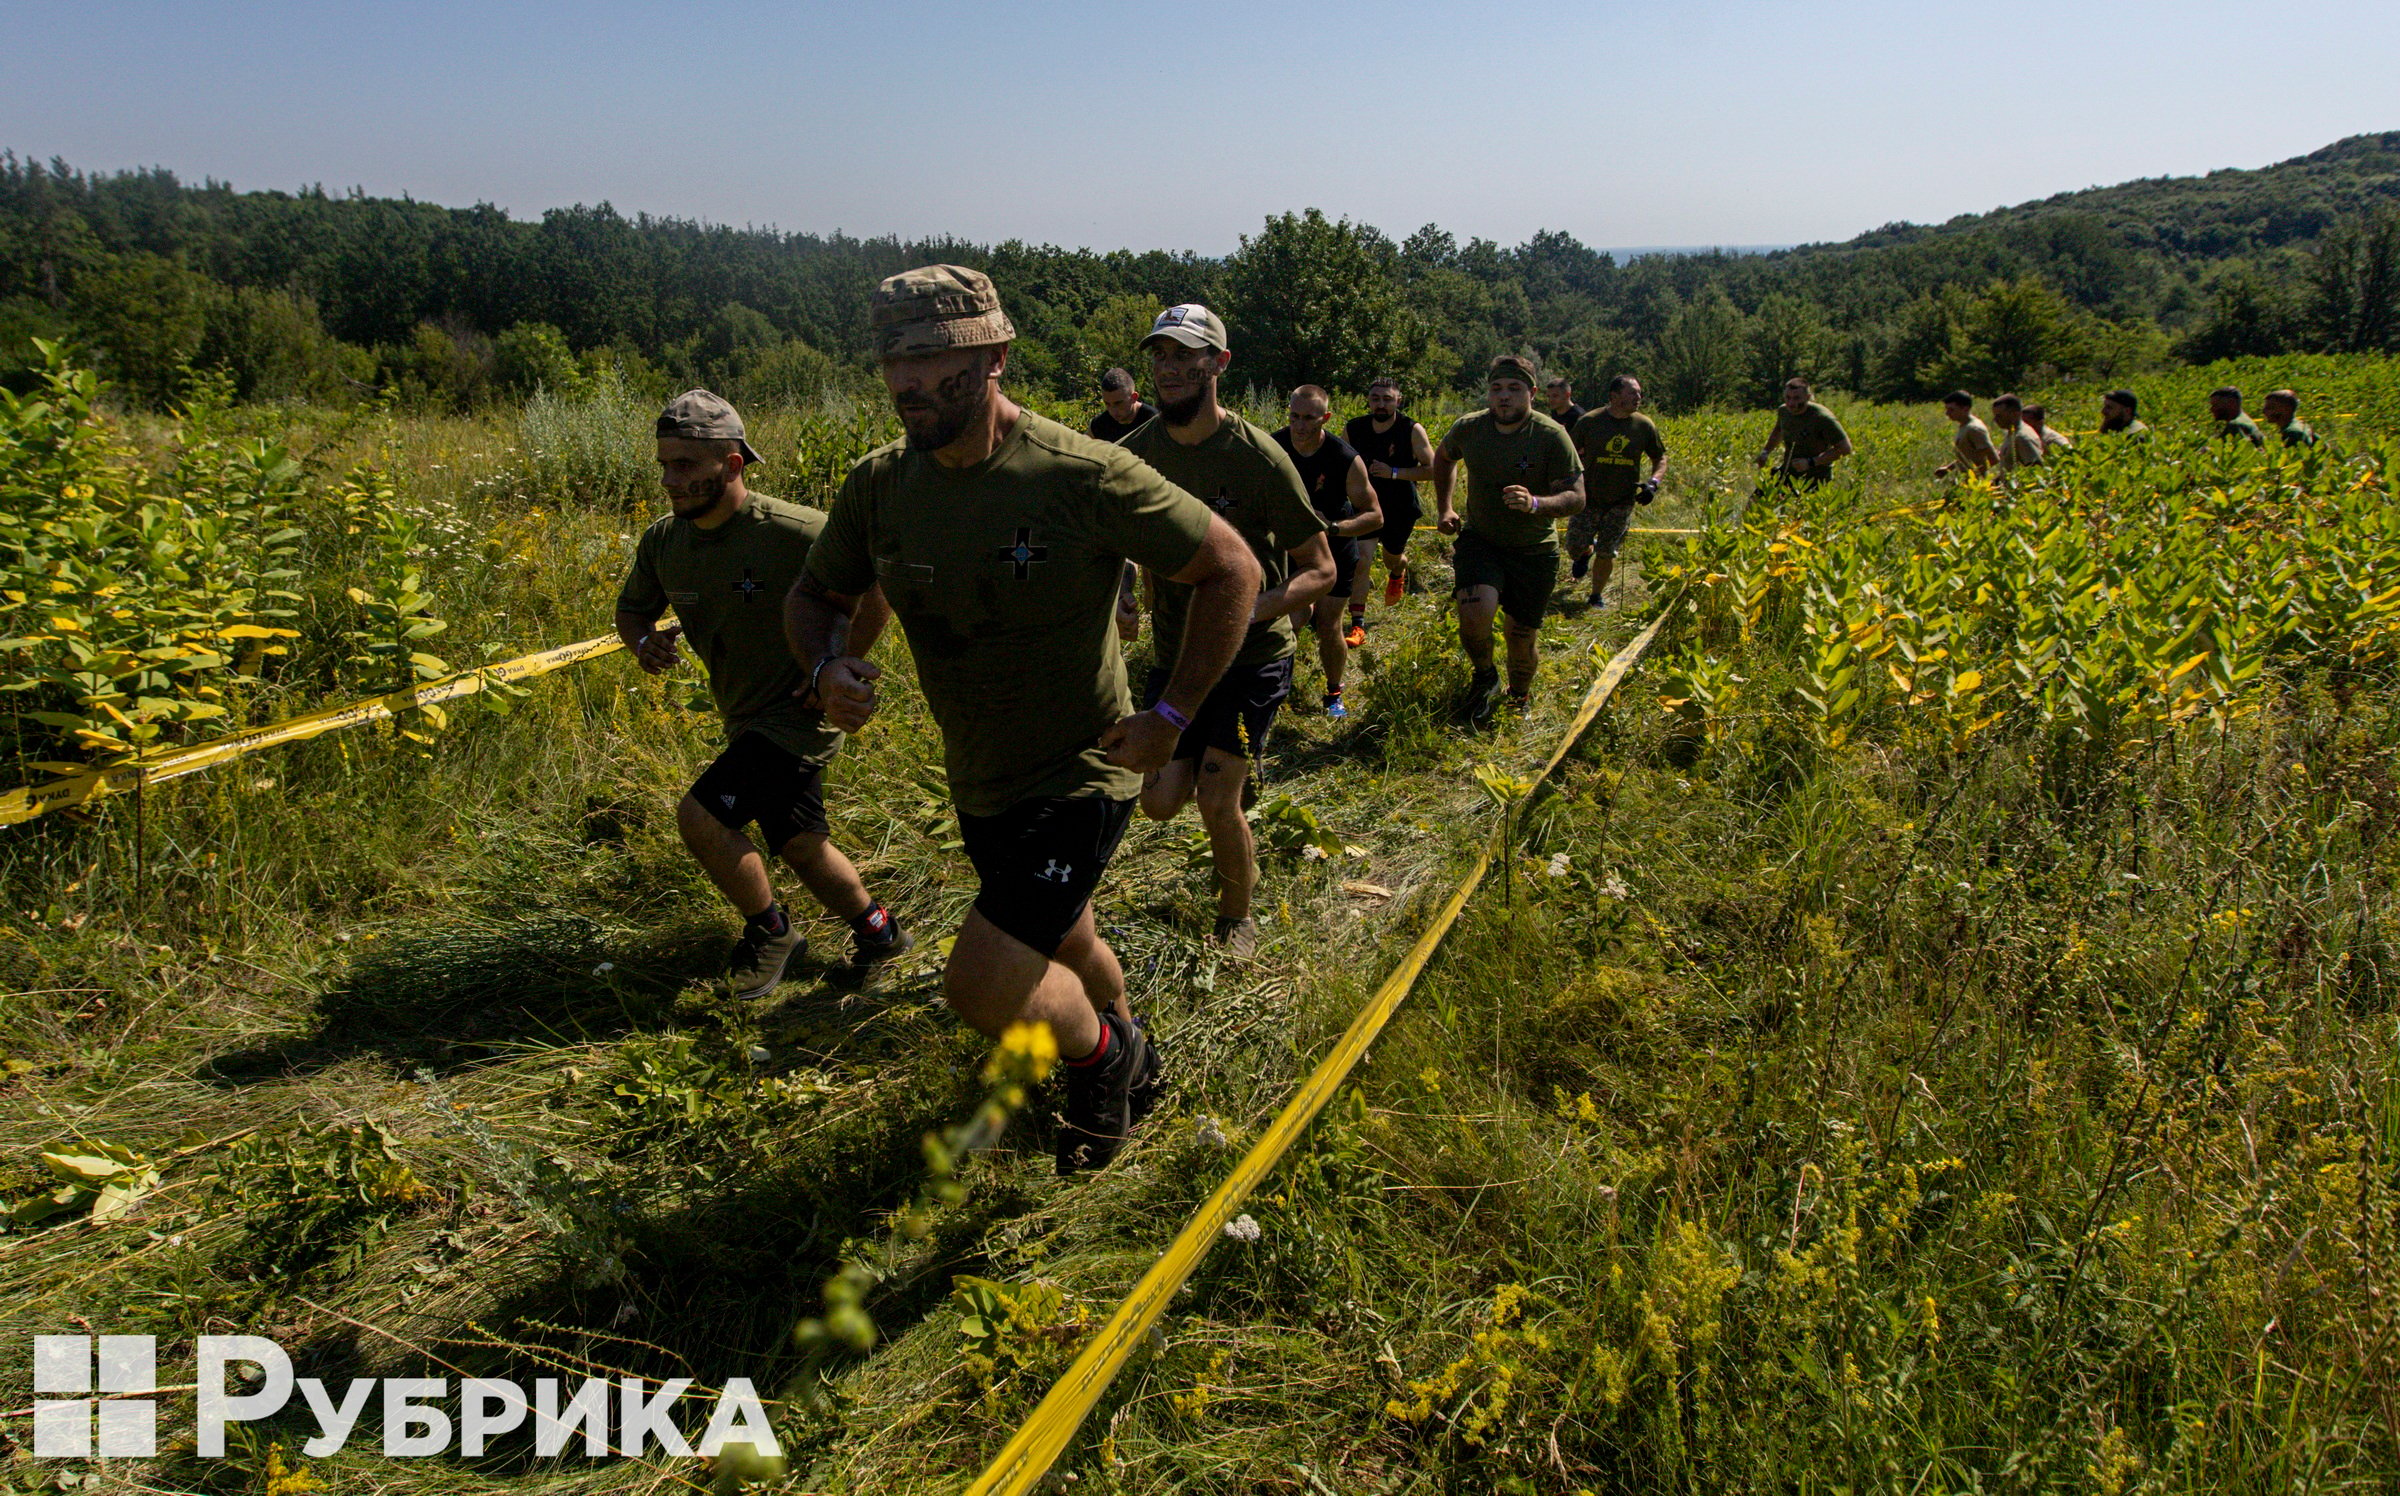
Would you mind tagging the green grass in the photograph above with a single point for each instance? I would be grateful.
(1877, 1119)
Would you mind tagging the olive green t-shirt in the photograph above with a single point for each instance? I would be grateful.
(1004, 577)
(2298, 434)
(2243, 426)
(1242, 473)
(2019, 447)
(1538, 455)
(2136, 430)
(1612, 452)
(726, 586)
(1807, 433)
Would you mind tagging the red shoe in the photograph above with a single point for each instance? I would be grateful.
(1391, 588)
(1357, 637)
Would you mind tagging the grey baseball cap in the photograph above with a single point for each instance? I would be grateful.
(704, 417)
(1191, 324)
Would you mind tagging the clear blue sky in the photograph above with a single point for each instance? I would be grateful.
(1182, 126)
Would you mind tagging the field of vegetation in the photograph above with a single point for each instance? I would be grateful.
(1937, 1033)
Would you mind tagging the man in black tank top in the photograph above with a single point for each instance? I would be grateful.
(1563, 408)
(1398, 456)
(1337, 483)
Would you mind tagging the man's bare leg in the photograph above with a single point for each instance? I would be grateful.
(1230, 843)
(995, 979)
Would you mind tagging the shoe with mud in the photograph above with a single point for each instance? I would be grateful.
(1355, 637)
(1483, 696)
(759, 959)
(1237, 938)
(1099, 1111)
(865, 953)
(1392, 588)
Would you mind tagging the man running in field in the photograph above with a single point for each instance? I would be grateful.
(2282, 410)
(2120, 415)
(2225, 405)
(1811, 439)
(722, 558)
(1612, 441)
(1399, 456)
(2037, 420)
(2019, 447)
(1560, 392)
(1971, 445)
(1522, 474)
(1121, 407)
(1239, 471)
(1344, 497)
(998, 535)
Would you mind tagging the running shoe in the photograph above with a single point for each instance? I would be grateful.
(759, 959)
(1099, 1109)
(1149, 1088)
(1334, 707)
(1356, 638)
(865, 952)
(1392, 586)
(1582, 567)
(1483, 695)
(1521, 700)
(1237, 937)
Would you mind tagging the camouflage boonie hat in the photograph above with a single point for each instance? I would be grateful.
(1192, 325)
(701, 416)
(935, 308)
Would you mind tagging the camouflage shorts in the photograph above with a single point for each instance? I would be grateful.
(1601, 530)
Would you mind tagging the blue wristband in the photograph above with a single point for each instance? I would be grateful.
(1175, 719)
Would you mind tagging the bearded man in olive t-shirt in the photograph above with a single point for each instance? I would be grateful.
(998, 536)
(1811, 439)
(722, 558)
(1522, 474)
(1239, 471)
(1612, 441)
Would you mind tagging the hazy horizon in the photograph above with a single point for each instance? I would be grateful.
(1740, 123)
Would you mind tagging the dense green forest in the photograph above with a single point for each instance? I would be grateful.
(322, 298)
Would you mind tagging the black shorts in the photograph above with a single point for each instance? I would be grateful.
(1521, 574)
(753, 780)
(1400, 518)
(1039, 861)
(1345, 564)
(1235, 717)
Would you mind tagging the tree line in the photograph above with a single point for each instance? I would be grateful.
(331, 298)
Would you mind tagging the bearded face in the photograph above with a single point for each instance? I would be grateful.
(939, 396)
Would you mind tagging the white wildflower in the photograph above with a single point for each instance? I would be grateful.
(759, 1054)
(1560, 863)
(604, 968)
(1207, 1131)
(1615, 888)
(1313, 852)
(1242, 1228)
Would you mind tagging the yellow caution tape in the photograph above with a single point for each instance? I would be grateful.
(1043, 1437)
(173, 763)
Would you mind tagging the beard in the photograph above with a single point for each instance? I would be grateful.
(696, 498)
(1184, 412)
(935, 420)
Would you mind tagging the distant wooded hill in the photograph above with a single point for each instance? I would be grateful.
(322, 297)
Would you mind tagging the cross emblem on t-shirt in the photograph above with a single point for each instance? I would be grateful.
(1524, 464)
(1223, 501)
(1023, 553)
(747, 586)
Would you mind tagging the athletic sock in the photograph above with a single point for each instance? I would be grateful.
(875, 926)
(771, 921)
(1099, 1051)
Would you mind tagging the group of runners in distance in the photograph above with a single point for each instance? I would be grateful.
(2024, 437)
(1017, 553)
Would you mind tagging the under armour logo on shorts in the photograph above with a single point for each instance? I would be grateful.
(1056, 872)
(727, 801)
